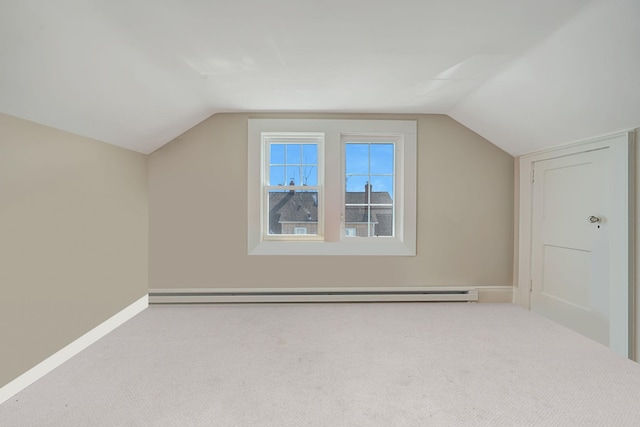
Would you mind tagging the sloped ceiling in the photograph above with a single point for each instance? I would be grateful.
(581, 82)
(525, 74)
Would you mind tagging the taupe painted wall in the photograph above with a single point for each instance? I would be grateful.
(636, 245)
(198, 214)
(73, 238)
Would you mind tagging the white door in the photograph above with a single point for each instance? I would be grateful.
(570, 242)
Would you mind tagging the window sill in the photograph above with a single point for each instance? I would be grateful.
(381, 246)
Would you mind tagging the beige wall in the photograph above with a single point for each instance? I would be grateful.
(636, 248)
(73, 238)
(198, 214)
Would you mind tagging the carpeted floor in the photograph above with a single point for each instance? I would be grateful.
(375, 364)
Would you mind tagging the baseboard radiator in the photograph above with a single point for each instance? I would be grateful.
(205, 296)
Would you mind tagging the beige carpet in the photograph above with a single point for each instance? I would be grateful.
(394, 364)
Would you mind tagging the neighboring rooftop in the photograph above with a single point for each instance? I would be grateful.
(301, 208)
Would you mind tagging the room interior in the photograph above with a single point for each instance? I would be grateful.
(123, 143)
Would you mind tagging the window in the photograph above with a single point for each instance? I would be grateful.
(292, 194)
(369, 179)
(331, 187)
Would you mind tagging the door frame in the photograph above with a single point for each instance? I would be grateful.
(621, 303)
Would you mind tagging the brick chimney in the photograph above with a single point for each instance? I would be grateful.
(367, 193)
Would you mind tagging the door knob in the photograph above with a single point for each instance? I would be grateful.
(593, 219)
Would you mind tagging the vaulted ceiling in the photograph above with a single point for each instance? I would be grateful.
(525, 74)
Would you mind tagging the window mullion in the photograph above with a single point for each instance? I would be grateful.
(368, 190)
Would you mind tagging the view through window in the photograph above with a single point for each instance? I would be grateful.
(369, 182)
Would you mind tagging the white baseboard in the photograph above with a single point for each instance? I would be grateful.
(66, 353)
(492, 294)
(330, 294)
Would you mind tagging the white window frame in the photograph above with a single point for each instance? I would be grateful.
(331, 211)
(397, 141)
(268, 138)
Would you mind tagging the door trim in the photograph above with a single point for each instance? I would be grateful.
(621, 266)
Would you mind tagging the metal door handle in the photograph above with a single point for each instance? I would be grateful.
(593, 219)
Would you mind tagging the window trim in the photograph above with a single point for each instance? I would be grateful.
(334, 242)
(268, 138)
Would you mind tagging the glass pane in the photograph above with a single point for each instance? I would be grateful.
(276, 175)
(309, 175)
(293, 153)
(357, 158)
(310, 154)
(355, 185)
(276, 155)
(382, 188)
(293, 175)
(383, 221)
(382, 158)
(292, 211)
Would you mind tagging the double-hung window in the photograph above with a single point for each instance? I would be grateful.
(292, 171)
(369, 208)
(332, 187)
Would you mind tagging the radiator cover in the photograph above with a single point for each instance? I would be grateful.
(277, 295)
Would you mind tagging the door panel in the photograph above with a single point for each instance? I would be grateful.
(570, 256)
(565, 272)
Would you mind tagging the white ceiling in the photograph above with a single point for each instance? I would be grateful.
(525, 74)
